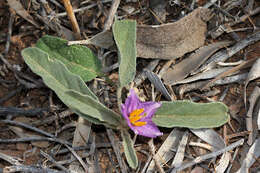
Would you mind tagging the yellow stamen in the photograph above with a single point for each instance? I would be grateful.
(135, 116)
(136, 112)
(139, 123)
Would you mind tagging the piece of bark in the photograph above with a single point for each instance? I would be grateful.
(173, 40)
(191, 63)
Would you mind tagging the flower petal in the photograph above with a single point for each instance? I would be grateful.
(144, 126)
(124, 112)
(150, 108)
(148, 130)
(132, 101)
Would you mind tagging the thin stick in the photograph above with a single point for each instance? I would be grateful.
(119, 97)
(61, 115)
(225, 27)
(87, 147)
(25, 168)
(116, 148)
(72, 18)
(81, 9)
(111, 15)
(20, 124)
(19, 111)
(11, 94)
(47, 156)
(57, 3)
(152, 150)
(10, 159)
(34, 139)
(78, 158)
(9, 34)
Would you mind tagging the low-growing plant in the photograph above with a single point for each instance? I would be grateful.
(65, 69)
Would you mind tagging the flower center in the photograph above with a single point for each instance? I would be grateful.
(135, 116)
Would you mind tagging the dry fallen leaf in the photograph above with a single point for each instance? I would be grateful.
(17, 6)
(156, 81)
(191, 63)
(253, 74)
(252, 155)
(173, 40)
(211, 137)
(81, 137)
(251, 123)
(165, 153)
(204, 75)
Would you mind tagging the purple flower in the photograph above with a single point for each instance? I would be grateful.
(139, 115)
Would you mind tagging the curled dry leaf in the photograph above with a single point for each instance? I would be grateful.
(167, 41)
(190, 64)
(80, 138)
(165, 153)
(173, 40)
(251, 120)
(252, 155)
(223, 55)
(223, 163)
(253, 74)
(156, 81)
(179, 156)
(211, 137)
(198, 85)
(204, 75)
(231, 71)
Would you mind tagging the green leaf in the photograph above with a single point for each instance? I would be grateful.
(129, 150)
(191, 115)
(124, 32)
(56, 76)
(87, 105)
(78, 59)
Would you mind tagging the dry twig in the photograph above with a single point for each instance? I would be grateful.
(152, 150)
(72, 18)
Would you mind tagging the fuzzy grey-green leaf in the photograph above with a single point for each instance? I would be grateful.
(129, 150)
(124, 32)
(78, 59)
(56, 76)
(191, 115)
(87, 105)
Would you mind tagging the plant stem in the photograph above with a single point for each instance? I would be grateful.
(119, 97)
